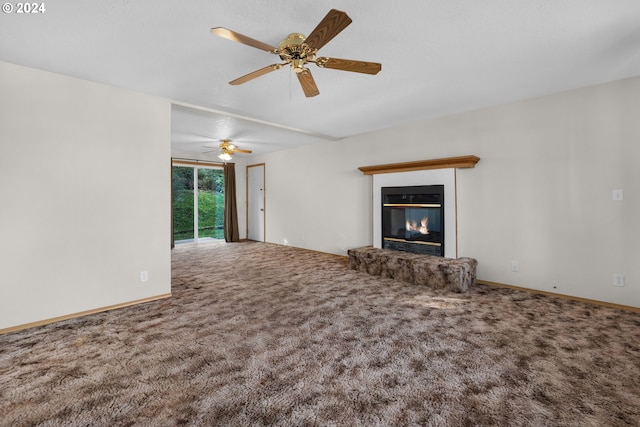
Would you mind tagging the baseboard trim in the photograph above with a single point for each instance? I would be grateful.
(81, 314)
(570, 297)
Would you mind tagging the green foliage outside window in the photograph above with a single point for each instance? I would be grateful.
(210, 203)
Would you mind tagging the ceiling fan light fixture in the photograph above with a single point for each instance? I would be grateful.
(225, 156)
(298, 65)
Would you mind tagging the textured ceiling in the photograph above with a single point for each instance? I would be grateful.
(438, 57)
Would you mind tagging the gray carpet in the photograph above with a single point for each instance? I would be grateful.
(261, 334)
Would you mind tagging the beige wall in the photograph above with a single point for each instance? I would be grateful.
(541, 193)
(85, 195)
(72, 153)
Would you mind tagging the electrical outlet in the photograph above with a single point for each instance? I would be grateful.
(515, 266)
(144, 276)
(618, 279)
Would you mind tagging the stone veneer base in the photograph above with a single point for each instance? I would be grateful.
(436, 272)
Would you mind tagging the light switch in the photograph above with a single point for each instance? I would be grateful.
(618, 195)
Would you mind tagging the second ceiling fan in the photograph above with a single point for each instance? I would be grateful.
(298, 51)
(227, 149)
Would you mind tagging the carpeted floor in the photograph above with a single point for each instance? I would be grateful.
(261, 334)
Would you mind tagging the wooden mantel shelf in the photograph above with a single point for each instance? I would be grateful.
(446, 163)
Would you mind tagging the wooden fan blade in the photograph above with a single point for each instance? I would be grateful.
(237, 150)
(349, 65)
(334, 22)
(254, 74)
(240, 38)
(308, 84)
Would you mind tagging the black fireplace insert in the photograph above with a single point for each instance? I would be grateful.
(413, 219)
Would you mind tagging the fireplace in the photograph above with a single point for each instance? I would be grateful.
(413, 219)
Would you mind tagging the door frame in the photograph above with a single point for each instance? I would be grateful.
(264, 199)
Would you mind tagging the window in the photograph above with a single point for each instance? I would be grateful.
(198, 202)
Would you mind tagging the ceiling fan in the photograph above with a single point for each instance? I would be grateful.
(227, 149)
(298, 51)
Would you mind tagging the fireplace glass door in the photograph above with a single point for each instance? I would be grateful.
(413, 219)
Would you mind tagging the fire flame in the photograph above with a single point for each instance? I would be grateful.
(413, 226)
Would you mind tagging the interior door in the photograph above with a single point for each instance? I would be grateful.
(255, 203)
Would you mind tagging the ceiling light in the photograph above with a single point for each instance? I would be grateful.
(225, 156)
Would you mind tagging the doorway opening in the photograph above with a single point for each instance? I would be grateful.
(198, 203)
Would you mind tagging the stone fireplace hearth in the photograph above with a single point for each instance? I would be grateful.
(435, 272)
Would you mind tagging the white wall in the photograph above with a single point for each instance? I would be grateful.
(85, 195)
(316, 198)
(541, 193)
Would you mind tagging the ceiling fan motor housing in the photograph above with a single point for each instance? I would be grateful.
(294, 50)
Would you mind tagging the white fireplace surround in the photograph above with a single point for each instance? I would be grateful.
(446, 177)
